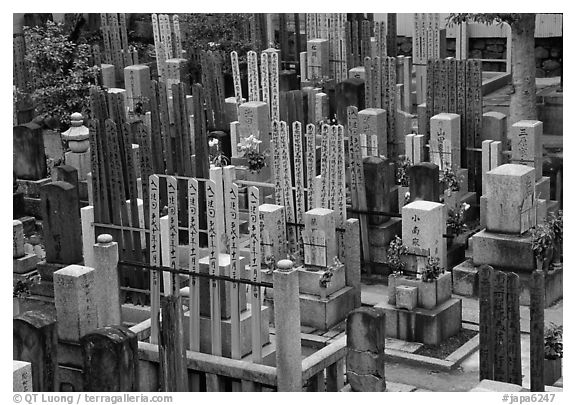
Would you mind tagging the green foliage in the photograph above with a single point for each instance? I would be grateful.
(224, 32)
(455, 222)
(449, 178)
(556, 223)
(22, 287)
(395, 250)
(432, 270)
(553, 347)
(542, 240)
(402, 167)
(60, 71)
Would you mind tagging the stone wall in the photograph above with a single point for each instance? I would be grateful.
(548, 53)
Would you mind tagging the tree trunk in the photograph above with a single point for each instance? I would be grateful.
(523, 102)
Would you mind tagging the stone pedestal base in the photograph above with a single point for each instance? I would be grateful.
(32, 207)
(428, 326)
(80, 161)
(25, 264)
(325, 313)
(552, 287)
(465, 279)
(380, 237)
(309, 281)
(46, 270)
(226, 327)
(503, 251)
(465, 282)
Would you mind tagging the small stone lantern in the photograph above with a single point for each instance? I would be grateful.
(77, 135)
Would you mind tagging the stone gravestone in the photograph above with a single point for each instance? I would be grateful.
(423, 227)
(349, 92)
(372, 121)
(424, 182)
(61, 226)
(22, 262)
(526, 142)
(137, 83)
(318, 59)
(445, 140)
(110, 356)
(107, 281)
(35, 340)
(320, 229)
(273, 232)
(254, 119)
(366, 333)
(65, 173)
(75, 300)
(494, 127)
(379, 176)
(510, 199)
(29, 159)
(21, 376)
(414, 148)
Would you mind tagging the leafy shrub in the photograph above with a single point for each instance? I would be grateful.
(60, 71)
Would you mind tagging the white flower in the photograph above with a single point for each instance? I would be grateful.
(465, 206)
(213, 142)
(407, 195)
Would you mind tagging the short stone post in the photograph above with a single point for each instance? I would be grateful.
(287, 320)
(107, 281)
(537, 291)
(75, 299)
(110, 356)
(366, 334)
(21, 376)
(352, 258)
(35, 340)
(88, 234)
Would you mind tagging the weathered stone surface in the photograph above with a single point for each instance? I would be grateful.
(21, 376)
(494, 127)
(365, 362)
(424, 182)
(526, 144)
(465, 279)
(75, 300)
(445, 140)
(366, 330)
(35, 341)
(423, 226)
(349, 92)
(110, 356)
(372, 121)
(509, 193)
(503, 251)
(379, 175)
(61, 225)
(29, 160)
(17, 239)
(406, 297)
(366, 383)
(428, 326)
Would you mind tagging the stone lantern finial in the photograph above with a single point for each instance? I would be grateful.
(77, 135)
